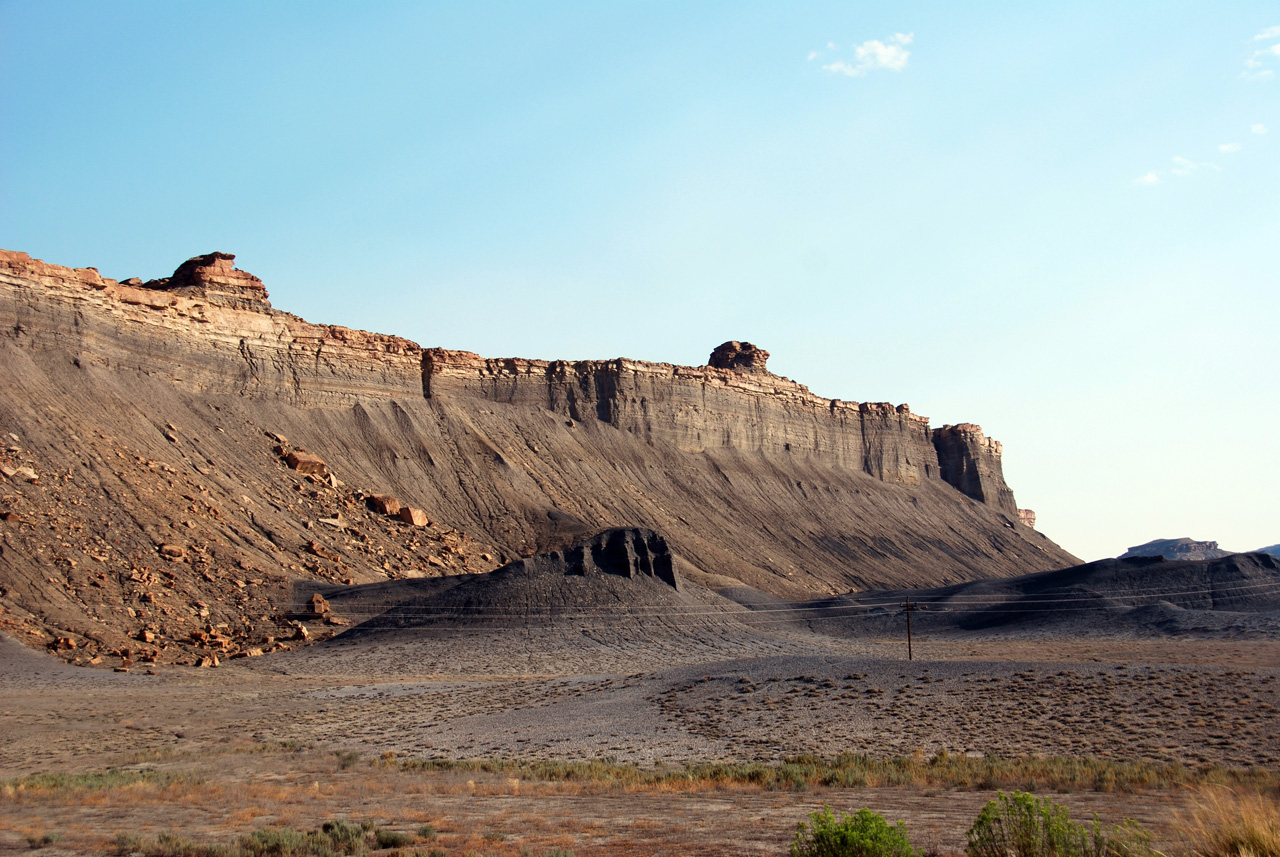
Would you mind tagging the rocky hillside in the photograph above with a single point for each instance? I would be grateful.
(179, 457)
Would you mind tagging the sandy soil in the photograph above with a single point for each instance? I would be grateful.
(1192, 701)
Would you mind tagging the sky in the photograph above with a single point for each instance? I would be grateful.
(1058, 221)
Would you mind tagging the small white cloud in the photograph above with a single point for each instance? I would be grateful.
(1149, 178)
(1258, 67)
(813, 55)
(842, 67)
(874, 55)
(1229, 148)
(831, 46)
(1185, 166)
(1259, 128)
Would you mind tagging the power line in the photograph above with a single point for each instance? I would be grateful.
(800, 612)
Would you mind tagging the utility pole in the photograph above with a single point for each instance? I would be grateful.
(908, 607)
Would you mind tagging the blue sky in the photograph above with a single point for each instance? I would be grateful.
(1059, 223)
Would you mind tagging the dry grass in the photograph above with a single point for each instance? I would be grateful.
(848, 770)
(1228, 823)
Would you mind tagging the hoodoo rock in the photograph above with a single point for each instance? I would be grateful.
(739, 357)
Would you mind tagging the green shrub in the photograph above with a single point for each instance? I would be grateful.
(1022, 825)
(391, 839)
(347, 837)
(863, 834)
(284, 842)
(426, 831)
(43, 839)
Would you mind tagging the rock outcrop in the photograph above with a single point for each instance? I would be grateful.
(157, 413)
(739, 356)
(213, 278)
(623, 551)
(970, 462)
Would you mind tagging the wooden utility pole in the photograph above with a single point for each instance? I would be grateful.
(908, 606)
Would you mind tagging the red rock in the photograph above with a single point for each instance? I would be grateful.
(306, 463)
(319, 605)
(410, 515)
(384, 504)
(169, 551)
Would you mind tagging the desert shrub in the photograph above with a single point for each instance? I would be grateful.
(347, 837)
(391, 838)
(863, 834)
(1227, 824)
(1022, 825)
(287, 842)
(426, 831)
(346, 759)
(558, 852)
(128, 843)
(43, 839)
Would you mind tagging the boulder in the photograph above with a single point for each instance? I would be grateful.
(318, 605)
(306, 463)
(384, 504)
(417, 517)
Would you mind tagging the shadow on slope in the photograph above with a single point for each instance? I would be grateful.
(612, 603)
(1235, 596)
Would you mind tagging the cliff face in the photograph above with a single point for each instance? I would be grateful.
(970, 463)
(210, 328)
(154, 403)
(696, 408)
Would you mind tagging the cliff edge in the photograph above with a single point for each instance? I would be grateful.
(164, 412)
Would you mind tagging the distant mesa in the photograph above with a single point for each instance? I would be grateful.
(1176, 549)
(739, 357)
(1274, 550)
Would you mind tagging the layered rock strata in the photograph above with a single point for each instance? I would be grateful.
(209, 328)
(696, 408)
(155, 412)
(970, 462)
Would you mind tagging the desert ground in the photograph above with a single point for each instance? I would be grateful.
(340, 730)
